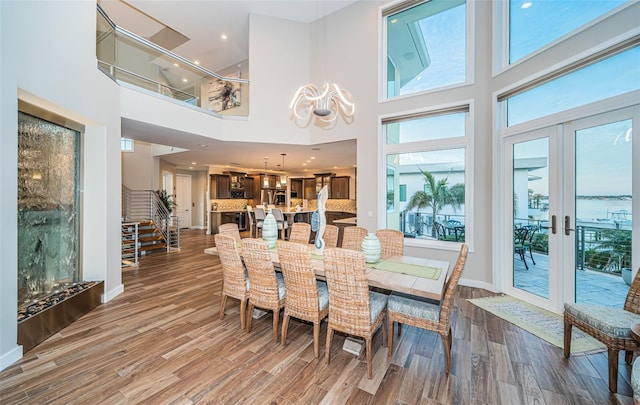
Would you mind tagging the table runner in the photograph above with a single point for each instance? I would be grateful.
(407, 268)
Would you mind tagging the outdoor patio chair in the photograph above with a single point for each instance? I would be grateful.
(611, 326)
(441, 233)
(532, 229)
(519, 240)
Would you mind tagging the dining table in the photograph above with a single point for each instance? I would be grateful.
(417, 276)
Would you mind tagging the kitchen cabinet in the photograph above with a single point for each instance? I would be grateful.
(296, 188)
(309, 188)
(336, 215)
(248, 187)
(323, 179)
(340, 187)
(219, 186)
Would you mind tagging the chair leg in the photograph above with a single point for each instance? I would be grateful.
(327, 350)
(285, 326)
(628, 356)
(390, 338)
(276, 320)
(368, 350)
(223, 301)
(399, 328)
(567, 337)
(531, 254)
(316, 339)
(243, 313)
(613, 370)
(383, 326)
(446, 344)
(249, 316)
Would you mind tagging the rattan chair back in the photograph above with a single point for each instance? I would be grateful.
(349, 300)
(330, 236)
(632, 302)
(391, 242)
(300, 233)
(450, 288)
(352, 237)
(264, 292)
(302, 290)
(230, 229)
(234, 281)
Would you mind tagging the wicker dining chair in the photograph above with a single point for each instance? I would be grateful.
(353, 309)
(421, 313)
(391, 242)
(235, 283)
(300, 232)
(611, 326)
(267, 286)
(330, 236)
(232, 230)
(352, 237)
(307, 298)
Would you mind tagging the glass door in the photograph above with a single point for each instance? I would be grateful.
(600, 209)
(529, 241)
(569, 196)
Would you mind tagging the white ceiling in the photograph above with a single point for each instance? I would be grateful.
(202, 22)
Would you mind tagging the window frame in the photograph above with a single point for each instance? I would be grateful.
(461, 142)
(470, 38)
(501, 38)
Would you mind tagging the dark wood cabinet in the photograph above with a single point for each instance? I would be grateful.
(248, 187)
(340, 187)
(336, 215)
(219, 186)
(309, 188)
(296, 188)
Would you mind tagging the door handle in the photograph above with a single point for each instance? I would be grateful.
(567, 225)
(553, 225)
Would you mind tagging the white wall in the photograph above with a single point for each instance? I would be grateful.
(48, 59)
(137, 168)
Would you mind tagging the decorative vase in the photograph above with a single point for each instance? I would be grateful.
(270, 230)
(371, 248)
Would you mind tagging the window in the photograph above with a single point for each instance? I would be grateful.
(428, 152)
(535, 24)
(126, 145)
(426, 46)
(585, 83)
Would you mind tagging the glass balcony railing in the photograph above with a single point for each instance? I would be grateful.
(129, 58)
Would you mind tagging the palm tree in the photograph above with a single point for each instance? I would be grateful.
(437, 195)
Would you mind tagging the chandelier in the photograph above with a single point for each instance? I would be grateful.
(325, 104)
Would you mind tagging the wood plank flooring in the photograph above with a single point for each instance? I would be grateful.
(162, 342)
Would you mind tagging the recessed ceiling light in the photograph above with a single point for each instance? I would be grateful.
(193, 163)
(313, 157)
(176, 65)
(197, 62)
(191, 167)
(185, 80)
(202, 145)
(526, 5)
(223, 36)
(395, 20)
(308, 161)
(304, 164)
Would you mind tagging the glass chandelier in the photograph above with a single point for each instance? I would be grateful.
(325, 103)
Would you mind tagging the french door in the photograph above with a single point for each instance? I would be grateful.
(567, 234)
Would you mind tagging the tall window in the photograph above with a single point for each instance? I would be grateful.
(614, 74)
(428, 152)
(426, 46)
(535, 24)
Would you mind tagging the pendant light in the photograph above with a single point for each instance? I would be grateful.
(283, 178)
(265, 182)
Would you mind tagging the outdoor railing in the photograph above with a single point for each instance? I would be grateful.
(129, 58)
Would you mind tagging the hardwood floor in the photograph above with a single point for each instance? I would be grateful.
(162, 342)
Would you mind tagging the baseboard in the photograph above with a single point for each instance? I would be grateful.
(10, 357)
(113, 293)
(478, 284)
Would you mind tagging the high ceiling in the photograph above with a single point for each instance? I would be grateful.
(193, 29)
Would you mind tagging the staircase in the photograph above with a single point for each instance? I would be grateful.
(147, 225)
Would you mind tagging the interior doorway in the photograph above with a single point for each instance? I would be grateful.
(183, 200)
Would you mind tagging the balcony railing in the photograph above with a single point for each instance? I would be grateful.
(129, 58)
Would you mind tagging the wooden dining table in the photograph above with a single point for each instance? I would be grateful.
(421, 277)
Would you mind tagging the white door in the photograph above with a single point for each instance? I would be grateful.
(571, 189)
(183, 200)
